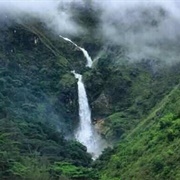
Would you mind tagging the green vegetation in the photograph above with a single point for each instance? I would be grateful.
(151, 154)
(64, 169)
(150, 149)
(38, 106)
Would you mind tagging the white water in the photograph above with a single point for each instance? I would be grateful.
(86, 55)
(86, 133)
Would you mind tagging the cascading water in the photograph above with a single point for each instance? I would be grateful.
(86, 55)
(86, 133)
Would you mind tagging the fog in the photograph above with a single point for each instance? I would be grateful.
(144, 28)
(55, 14)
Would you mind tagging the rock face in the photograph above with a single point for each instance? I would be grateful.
(101, 107)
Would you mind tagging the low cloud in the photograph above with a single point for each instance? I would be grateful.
(55, 14)
(144, 28)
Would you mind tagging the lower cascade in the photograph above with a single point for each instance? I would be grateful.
(86, 133)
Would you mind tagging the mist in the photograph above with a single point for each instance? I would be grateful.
(144, 28)
(56, 15)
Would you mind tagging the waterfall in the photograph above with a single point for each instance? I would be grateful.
(86, 55)
(86, 133)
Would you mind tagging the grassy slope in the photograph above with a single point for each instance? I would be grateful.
(151, 150)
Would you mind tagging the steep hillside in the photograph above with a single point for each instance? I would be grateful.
(38, 106)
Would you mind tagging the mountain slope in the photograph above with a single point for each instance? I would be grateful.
(38, 106)
(151, 150)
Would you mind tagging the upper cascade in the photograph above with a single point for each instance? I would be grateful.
(86, 55)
